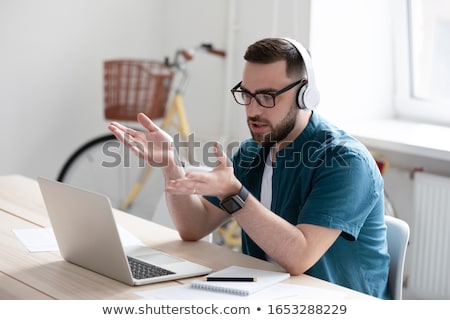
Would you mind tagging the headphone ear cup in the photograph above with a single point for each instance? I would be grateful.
(308, 96)
(301, 96)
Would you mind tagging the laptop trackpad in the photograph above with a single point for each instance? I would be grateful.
(158, 258)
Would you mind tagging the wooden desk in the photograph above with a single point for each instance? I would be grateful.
(45, 275)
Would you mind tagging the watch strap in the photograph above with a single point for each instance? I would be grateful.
(243, 193)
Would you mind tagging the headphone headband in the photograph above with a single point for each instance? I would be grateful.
(308, 96)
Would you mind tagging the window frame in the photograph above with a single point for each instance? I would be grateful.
(406, 106)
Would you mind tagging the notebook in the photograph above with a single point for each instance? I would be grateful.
(262, 280)
(87, 235)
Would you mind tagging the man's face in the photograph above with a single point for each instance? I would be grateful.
(270, 125)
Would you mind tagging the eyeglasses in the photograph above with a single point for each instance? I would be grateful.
(264, 99)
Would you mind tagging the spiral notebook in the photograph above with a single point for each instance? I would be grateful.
(262, 279)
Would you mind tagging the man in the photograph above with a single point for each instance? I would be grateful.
(307, 195)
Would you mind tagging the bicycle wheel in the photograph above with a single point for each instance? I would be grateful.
(103, 165)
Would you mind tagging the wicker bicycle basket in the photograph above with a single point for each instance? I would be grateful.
(134, 86)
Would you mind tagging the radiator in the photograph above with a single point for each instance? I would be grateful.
(429, 250)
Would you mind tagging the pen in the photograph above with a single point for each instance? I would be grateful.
(237, 279)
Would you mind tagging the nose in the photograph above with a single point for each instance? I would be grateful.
(254, 108)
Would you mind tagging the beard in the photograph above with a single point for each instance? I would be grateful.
(278, 133)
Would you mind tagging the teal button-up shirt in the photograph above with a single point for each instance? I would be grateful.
(326, 177)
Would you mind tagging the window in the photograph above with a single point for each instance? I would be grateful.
(430, 48)
(423, 60)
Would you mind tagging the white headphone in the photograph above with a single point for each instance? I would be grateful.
(308, 95)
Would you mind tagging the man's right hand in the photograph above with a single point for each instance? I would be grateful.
(154, 145)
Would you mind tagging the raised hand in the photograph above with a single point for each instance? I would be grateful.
(153, 144)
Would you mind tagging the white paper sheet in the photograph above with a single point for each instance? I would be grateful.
(43, 239)
(277, 291)
(37, 239)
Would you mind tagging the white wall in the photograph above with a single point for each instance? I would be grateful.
(51, 73)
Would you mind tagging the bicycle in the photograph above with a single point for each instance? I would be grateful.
(132, 86)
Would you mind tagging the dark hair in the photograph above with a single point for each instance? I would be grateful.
(271, 50)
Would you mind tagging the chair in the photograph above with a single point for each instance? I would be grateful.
(397, 238)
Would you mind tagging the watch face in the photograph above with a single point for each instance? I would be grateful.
(232, 204)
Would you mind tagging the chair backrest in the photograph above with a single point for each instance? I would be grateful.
(397, 238)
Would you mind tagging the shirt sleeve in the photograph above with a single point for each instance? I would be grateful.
(343, 194)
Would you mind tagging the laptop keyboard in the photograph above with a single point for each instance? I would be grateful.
(144, 270)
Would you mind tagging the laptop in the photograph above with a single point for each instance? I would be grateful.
(87, 235)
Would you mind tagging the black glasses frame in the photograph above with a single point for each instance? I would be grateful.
(236, 89)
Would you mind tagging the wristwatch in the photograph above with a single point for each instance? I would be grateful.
(235, 202)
